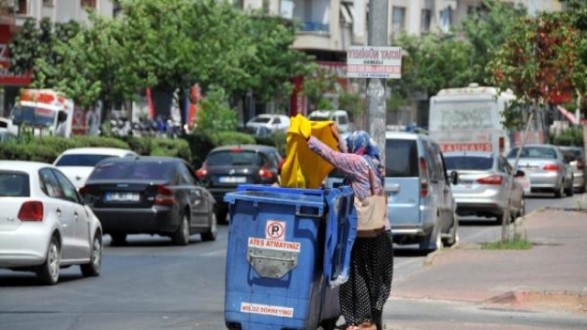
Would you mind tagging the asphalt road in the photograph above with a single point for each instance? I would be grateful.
(151, 284)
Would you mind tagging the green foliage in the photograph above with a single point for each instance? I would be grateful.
(569, 137)
(46, 149)
(486, 32)
(537, 61)
(352, 102)
(200, 144)
(172, 148)
(431, 63)
(319, 82)
(140, 145)
(228, 138)
(518, 242)
(277, 139)
(216, 114)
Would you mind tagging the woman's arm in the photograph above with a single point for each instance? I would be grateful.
(350, 164)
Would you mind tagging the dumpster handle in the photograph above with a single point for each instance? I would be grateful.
(300, 214)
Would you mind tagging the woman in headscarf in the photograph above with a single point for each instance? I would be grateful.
(362, 297)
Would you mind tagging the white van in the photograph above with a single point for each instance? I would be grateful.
(340, 117)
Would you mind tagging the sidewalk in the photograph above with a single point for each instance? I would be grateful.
(552, 275)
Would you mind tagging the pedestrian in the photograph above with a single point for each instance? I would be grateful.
(362, 297)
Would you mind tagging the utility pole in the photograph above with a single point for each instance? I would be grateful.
(376, 107)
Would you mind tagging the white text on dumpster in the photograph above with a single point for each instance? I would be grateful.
(274, 245)
(267, 310)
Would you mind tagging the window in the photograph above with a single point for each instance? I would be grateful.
(14, 184)
(398, 20)
(89, 3)
(469, 163)
(69, 191)
(48, 3)
(81, 160)
(426, 20)
(22, 7)
(186, 176)
(446, 19)
(401, 158)
(49, 184)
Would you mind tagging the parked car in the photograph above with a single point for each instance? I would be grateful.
(150, 195)
(78, 163)
(227, 167)
(577, 163)
(6, 136)
(273, 122)
(340, 118)
(421, 206)
(483, 185)
(545, 167)
(44, 224)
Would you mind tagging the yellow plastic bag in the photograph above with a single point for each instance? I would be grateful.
(302, 167)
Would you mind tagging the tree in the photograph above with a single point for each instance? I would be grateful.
(486, 31)
(537, 63)
(431, 63)
(216, 114)
(316, 85)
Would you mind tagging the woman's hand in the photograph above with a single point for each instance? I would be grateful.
(334, 131)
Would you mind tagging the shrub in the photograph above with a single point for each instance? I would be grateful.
(140, 145)
(200, 144)
(172, 148)
(227, 138)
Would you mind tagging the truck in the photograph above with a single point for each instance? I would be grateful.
(45, 111)
(470, 119)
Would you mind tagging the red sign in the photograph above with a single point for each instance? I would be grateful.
(449, 147)
(7, 77)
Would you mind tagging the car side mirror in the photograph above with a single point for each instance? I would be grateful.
(454, 177)
(519, 174)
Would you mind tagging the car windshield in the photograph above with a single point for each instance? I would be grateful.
(133, 170)
(84, 160)
(534, 152)
(235, 157)
(479, 163)
(401, 158)
(261, 120)
(33, 116)
(14, 184)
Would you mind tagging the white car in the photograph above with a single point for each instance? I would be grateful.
(339, 117)
(78, 163)
(273, 122)
(44, 224)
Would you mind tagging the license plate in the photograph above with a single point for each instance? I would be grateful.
(122, 197)
(232, 179)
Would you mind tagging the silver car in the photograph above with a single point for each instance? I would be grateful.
(545, 167)
(483, 183)
(44, 225)
(577, 162)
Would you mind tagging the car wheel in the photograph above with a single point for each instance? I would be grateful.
(559, 191)
(454, 233)
(182, 235)
(93, 267)
(569, 191)
(48, 272)
(210, 235)
(434, 242)
(522, 211)
(221, 214)
(118, 239)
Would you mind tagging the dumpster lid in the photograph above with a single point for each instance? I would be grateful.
(277, 195)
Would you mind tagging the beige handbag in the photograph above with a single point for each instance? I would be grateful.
(371, 213)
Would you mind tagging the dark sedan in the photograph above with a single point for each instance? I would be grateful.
(150, 195)
(229, 166)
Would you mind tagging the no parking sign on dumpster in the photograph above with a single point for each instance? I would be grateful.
(275, 229)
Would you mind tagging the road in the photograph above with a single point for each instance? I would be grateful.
(151, 284)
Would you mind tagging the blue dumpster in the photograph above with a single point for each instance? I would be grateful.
(288, 250)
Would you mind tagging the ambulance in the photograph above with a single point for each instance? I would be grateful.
(47, 112)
